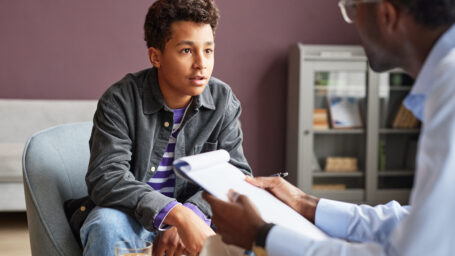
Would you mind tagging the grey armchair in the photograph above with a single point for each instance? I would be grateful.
(54, 165)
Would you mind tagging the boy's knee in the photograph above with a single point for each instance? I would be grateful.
(108, 218)
(104, 221)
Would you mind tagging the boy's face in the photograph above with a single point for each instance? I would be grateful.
(186, 63)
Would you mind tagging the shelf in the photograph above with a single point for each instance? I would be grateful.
(334, 58)
(339, 131)
(398, 131)
(325, 174)
(385, 195)
(400, 88)
(352, 195)
(395, 173)
(348, 88)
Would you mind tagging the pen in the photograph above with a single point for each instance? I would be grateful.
(280, 174)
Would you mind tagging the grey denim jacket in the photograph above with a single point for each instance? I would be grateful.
(129, 139)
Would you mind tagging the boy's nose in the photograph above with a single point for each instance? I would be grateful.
(200, 62)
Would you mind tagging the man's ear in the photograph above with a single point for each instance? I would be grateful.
(154, 56)
(388, 16)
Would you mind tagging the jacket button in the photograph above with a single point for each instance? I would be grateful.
(83, 208)
(166, 124)
(152, 169)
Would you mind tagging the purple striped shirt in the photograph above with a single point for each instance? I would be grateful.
(164, 178)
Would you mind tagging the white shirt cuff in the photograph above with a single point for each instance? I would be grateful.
(333, 217)
(283, 241)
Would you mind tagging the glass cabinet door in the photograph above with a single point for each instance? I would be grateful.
(398, 133)
(392, 139)
(337, 130)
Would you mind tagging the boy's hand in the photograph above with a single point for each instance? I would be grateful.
(191, 229)
(289, 194)
(168, 242)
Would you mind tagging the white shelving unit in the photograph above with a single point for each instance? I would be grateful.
(315, 73)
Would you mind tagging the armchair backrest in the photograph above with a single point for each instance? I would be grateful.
(54, 165)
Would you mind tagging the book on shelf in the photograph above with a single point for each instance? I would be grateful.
(345, 112)
(320, 120)
(404, 119)
(213, 172)
(341, 164)
(362, 109)
(322, 187)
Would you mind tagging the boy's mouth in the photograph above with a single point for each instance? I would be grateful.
(198, 80)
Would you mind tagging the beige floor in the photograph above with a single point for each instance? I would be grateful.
(14, 234)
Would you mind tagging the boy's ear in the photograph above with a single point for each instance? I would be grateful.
(154, 56)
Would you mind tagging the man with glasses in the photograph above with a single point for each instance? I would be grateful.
(419, 37)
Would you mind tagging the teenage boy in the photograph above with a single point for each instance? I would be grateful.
(148, 119)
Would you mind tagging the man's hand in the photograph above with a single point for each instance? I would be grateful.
(191, 229)
(289, 194)
(237, 221)
(168, 242)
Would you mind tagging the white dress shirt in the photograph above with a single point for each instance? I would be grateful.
(427, 227)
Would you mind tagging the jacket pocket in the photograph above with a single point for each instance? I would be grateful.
(206, 147)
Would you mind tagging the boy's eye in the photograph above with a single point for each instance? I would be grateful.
(186, 50)
(209, 51)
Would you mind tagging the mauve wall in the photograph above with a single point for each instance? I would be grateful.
(54, 49)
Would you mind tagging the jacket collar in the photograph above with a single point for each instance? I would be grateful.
(153, 100)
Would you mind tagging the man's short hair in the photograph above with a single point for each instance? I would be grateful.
(430, 13)
(162, 13)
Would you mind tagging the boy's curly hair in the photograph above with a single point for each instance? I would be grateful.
(162, 13)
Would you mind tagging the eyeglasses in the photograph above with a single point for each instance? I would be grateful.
(349, 8)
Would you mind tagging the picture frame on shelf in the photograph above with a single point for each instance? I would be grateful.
(345, 112)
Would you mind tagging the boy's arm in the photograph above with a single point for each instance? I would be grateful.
(161, 225)
(109, 179)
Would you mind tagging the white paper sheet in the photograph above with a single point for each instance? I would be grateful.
(212, 172)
